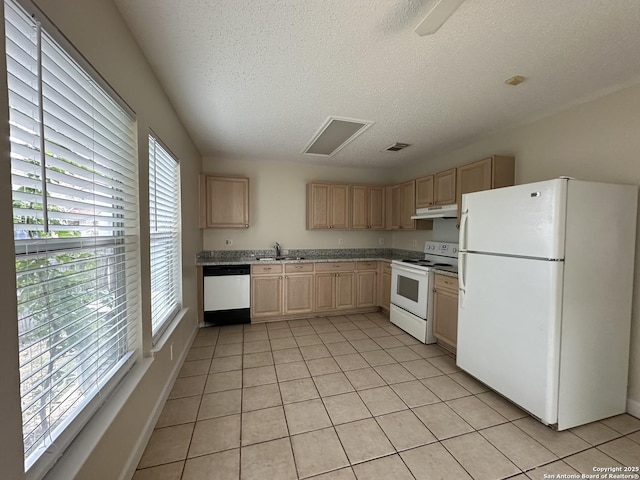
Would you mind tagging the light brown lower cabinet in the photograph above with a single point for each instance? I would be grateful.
(306, 288)
(445, 311)
(298, 293)
(335, 291)
(367, 284)
(384, 286)
(279, 291)
(266, 296)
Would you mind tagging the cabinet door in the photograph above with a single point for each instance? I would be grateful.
(445, 312)
(445, 187)
(424, 192)
(359, 207)
(367, 285)
(318, 206)
(386, 290)
(339, 206)
(377, 208)
(396, 207)
(266, 296)
(345, 291)
(324, 298)
(408, 193)
(298, 294)
(226, 202)
(473, 177)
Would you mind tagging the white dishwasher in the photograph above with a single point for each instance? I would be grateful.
(227, 294)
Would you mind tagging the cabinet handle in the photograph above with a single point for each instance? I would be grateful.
(246, 225)
(267, 268)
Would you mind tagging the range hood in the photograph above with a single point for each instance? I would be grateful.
(439, 211)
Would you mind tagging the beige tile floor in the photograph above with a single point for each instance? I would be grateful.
(348, 397)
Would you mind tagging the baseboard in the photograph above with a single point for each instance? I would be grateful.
(132, 462)
(633, 407)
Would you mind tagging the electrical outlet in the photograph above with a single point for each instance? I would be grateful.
(341, 241)
(285, 252)
(415, 243)
(228, 242)
(381, 241)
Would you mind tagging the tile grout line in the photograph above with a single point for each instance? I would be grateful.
(343, 372)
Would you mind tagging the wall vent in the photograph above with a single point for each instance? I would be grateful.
(335, 134)
(395, 147)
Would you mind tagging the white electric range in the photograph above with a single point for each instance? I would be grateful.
(412, 283)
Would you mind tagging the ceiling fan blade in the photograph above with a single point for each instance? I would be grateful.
(436, 17)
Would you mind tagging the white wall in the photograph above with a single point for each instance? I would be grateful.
(98, 32)
(278, 206)
(598, 141)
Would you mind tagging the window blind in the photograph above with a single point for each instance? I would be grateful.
(164, 207)
(74, 184)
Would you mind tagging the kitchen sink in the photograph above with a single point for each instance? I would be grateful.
(279, 258)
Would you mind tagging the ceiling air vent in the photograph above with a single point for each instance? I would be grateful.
(334, 135)
(395, 147)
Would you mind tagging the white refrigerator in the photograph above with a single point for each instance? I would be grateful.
(546, 280)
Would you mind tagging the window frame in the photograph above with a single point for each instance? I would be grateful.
(124, 273)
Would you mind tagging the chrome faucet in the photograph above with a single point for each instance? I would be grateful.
(277, 247)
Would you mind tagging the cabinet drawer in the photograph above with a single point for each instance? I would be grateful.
(336, 267)
(445, 282)
(367, 265)
(386, 267)
(265, 269)
(298, 267)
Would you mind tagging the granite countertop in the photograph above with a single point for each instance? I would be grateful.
(235, 257)
(249, 257)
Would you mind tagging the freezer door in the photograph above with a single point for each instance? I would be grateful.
(509, 329)
(524, 220)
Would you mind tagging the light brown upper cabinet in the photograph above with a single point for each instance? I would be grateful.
(445, 187)
(424, 192)
(224, 202)
(393, 207)
(367, 207)
(493, 172)
(408, 209)
(327, 206)
(402, 198)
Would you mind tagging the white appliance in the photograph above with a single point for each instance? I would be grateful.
(437, 211)
(546, 278)
(227, 294)
(412, 289)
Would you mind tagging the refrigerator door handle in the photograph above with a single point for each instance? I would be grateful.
(463, 230)
(461, 280)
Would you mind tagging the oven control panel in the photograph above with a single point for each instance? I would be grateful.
(441, 248)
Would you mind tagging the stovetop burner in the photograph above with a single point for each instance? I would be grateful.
(437, 255)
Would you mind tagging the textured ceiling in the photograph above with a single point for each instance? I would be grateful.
(257, 78)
